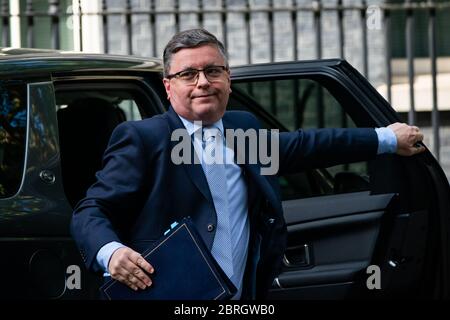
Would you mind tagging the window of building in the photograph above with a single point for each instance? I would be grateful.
(42, 24)
(420, 32)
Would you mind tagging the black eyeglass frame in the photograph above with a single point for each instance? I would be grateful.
(177, 74)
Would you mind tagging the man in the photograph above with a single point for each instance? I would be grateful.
(140, 191)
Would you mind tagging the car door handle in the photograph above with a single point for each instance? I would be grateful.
(297, 256)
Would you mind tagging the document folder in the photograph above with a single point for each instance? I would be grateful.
(184, 270)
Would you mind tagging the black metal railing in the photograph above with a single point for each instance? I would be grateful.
(56, 13)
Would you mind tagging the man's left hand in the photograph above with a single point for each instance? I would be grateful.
(408, 138)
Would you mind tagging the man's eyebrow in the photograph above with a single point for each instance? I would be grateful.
(205, 66)
(187, 68)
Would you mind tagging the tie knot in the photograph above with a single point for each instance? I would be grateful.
(210, 134)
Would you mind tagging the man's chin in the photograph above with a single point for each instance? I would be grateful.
(209, 114)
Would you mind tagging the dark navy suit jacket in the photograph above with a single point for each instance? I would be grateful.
(140, 191)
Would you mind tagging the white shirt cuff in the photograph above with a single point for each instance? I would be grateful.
(387, 140)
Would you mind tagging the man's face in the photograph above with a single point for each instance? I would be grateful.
(204, 100)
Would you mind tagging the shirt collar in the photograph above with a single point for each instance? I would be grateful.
(192, 126)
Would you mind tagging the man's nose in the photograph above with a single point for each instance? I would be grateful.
(202, 80)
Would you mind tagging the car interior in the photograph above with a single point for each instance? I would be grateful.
(85, 126)
(87, 116)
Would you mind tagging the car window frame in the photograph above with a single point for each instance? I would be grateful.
(149, 101)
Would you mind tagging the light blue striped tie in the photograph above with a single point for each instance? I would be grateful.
(216, 176)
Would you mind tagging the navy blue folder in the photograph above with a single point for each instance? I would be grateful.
(184, 270)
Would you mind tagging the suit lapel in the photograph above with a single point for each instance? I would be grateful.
(261, 183)
(194, 171)
(256, 183)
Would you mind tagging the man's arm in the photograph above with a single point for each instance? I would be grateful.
(321, 148)
(98, 217)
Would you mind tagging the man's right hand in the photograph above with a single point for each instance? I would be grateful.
(128, 266)
(407, 139)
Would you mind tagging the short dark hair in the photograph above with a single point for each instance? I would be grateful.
(190, 39)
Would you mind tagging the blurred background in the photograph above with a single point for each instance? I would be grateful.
(401, 46)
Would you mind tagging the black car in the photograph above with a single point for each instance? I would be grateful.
(374, 229)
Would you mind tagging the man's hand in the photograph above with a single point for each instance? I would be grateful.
(407, 139)
(128, 266)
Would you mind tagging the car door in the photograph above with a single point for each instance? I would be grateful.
(37, 251)
(370, 229)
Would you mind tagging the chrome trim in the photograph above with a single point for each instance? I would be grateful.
(393, 264)
(307, 262)
(76, 77)
(276, 283)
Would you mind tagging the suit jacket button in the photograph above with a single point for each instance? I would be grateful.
(210, 227)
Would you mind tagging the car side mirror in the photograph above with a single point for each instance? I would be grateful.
(345, 182)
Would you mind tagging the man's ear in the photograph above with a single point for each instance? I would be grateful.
(229, 81)
(166, 83)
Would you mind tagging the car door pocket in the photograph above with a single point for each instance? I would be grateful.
(298, 256)
(405, 251)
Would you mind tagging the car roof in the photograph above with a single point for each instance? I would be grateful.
(45, 61)
(25, 60)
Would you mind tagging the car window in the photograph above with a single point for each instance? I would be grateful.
(130, 109)
(13, 123)
(303, 103)
(126, 102)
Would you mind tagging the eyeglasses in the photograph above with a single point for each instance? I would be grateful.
(190, 76)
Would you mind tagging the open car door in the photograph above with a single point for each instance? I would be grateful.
(360, 230)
